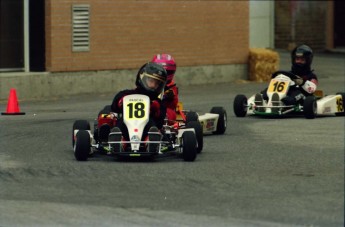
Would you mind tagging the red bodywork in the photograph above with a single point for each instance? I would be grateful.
(106, 119)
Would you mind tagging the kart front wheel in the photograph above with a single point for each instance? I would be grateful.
(310, 107)
(79, 125)
(189, 151)
(198, 134)
(222, 119)
(191, 116)
(82, 146)
(240, 105)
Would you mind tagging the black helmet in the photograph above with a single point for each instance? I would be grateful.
(302, 51)
(151, 79)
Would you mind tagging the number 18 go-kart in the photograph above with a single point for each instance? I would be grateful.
(278, 88)
(136, 110)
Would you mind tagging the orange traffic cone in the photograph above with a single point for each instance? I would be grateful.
(12, 105)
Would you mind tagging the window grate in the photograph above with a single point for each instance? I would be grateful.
(81, 28)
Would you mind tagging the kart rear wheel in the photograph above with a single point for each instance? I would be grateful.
(240, 105)
(310, 107)
(198, 134)
(342, 104)
(222, 120)
(192, 116)
(79, 125)
(189, 151)
(82, 147)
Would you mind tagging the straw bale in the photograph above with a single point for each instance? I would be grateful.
(262, 63)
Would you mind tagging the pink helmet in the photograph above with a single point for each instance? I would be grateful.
(168, 63)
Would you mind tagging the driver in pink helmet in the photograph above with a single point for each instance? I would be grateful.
(170, 98)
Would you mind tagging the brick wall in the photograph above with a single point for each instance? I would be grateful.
(125, 34)
(309, 18)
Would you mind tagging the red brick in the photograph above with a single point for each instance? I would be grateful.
(125, 34)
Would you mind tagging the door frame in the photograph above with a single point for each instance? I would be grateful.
(26, 37)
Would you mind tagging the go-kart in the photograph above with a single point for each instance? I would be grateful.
(278, 88)
(136, 109)
(214, 122)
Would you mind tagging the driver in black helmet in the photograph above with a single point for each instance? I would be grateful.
(306, 81)
(150, 81)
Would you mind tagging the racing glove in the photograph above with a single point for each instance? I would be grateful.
(155, 109)
(299, 81)
(113, 115)
(169, 94)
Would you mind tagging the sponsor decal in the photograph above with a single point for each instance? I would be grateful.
(210, 124)
(135, 138)
(135, 100)
(327, 110)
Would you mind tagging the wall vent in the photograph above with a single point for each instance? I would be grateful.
(81, 28)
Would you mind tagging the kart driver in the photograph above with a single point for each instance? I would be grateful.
(151, 80)
(306, 82)
(170, 97)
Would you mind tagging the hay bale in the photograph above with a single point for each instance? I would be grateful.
(262, 63)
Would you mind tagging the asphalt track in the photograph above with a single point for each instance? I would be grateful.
(261, 172)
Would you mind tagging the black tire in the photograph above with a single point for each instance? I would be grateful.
(79, 125)
(198, 134)
(310, 107)
(343, 104)
(105, 110)
(240, 105)
(192, 116)
(82, 145)
(189, 151)
(222, 120)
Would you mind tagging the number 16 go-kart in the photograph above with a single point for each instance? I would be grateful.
(135, 117)
(277, 89)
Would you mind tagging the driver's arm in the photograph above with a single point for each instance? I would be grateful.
(310, 86)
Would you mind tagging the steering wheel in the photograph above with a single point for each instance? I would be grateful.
(286, 73)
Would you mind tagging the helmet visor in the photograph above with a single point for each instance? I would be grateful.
(153, 82)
